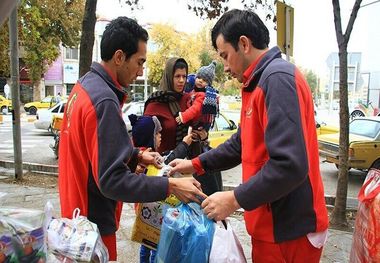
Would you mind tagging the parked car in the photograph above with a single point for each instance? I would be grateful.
(44, 117)
(132, 108)
(45, 103)
(222, 130)
(362, 110)
(364, 144)
(5, 104)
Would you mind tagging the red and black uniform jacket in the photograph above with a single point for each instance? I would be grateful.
(282, 190)
(96, 155)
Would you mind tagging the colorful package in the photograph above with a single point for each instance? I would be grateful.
(147, 226)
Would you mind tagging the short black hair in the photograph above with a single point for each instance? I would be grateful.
(236, 23)
(122, 33)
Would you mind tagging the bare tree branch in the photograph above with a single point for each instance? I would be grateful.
(353, 16)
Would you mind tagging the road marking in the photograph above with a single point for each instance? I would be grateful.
(11, 146)
(26, 140)
(9, 151)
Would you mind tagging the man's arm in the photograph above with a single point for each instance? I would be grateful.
(226, 156)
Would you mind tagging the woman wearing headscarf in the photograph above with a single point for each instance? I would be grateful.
(168, 101)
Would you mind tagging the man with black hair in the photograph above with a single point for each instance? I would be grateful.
(96, 156)
(282, 191)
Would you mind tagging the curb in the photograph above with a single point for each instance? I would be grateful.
(352, 203)
(32, 167)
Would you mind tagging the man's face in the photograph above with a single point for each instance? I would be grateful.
(233, 60)
(179, 79)
(132, 67)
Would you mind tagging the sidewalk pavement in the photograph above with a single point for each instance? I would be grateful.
(337, 248)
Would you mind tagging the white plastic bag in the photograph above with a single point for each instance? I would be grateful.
(226, 247)
(77, 239)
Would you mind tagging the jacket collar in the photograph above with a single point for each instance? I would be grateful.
(115, 86)
(254, 71)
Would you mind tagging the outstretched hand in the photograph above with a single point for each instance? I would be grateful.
(220, 205)
(186, 189)
(181, 166)
(154, 158)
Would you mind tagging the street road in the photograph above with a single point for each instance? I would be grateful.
(35, 148)
(34, 142)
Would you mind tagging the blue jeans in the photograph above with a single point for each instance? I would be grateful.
(147, 255)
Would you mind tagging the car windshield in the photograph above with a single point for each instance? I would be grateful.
(368, 128)
(46, 99)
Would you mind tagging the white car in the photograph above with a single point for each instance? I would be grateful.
(44, 117)
(132, 108)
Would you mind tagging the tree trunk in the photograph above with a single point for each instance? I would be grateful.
(338, 216)
(88, 37)
(339, 213)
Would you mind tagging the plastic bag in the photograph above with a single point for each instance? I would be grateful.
(21, 235)
(186, 235)
(147, 226)
(226, 247)
(74, 240)
(366, 237)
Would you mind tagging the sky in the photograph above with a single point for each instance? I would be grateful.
(314, 32)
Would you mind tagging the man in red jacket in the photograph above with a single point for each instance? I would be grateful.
(282, 191)
(96, 156)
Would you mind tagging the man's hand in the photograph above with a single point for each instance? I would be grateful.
(154, 158)
(220, 205)
(181, 166)
(186, 189)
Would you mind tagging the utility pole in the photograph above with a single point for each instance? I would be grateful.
(13, 44)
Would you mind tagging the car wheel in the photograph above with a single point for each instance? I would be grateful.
(3, 109)
(356, 114)
(376, 164)
(32, 110)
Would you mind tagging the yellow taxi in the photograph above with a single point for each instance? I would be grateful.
(323, 128)
(5, 104)
(364, 144)
(45, 103)
(222, 130)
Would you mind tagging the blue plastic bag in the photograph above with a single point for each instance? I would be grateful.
(186, 235)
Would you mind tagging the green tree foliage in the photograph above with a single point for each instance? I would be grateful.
(167, 42)
(43, 25)
(4, 49)
(312, 80)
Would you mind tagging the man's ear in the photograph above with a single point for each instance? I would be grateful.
(245, 44)
(119, 57)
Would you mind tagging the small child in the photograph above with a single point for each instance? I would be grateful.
(204, 100)
(146, 133)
